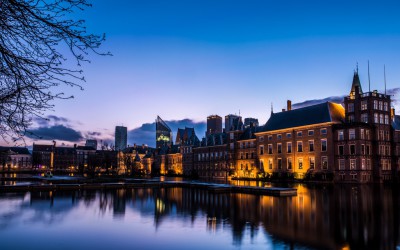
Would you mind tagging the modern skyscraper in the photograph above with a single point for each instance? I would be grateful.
(214, 124)
(163, 133)
(121, 137)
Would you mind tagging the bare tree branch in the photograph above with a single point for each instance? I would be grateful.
(32, 66)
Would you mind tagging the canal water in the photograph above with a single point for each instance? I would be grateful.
(319, 217)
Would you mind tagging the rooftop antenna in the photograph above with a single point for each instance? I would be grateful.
(357, 67)
(369, 80)
(384, 75)
(272, 108)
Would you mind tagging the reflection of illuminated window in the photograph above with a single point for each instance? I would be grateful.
(270, 163)
(312, 162)
(289, 163)
(324, 161)
(300, 163)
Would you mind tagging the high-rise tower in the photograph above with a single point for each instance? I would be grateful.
(121, 137)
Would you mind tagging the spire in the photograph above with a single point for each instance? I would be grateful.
(356, 85)
(272, 108)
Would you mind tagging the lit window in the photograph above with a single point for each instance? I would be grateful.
(380, 105)
(386, 119)
(376, 119)
(312, 162)
(353, 164)
(381, 118)
(375, 104)
(270, 162)
(340, 135)
(300, 163)
(364, 105)
(385, 106)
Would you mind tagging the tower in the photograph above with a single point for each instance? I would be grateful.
(121, 138)
(163, 133)
(214, 124)
(371, 111)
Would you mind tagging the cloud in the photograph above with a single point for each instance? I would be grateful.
(93, 134)
(146, 134)
(57, 132)
(50, 120)
(394, 93)
(336, 99)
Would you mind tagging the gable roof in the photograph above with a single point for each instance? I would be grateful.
(315, 114)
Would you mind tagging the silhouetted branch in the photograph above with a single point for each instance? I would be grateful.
(33, 34)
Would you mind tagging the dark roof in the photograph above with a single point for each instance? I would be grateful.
(138, 149)
(214, 140)
(64, 150)
(18, 150)
(356, 83)
(248, 133)
(315, 114)
(85, 148)
(45, 148)
(187, 137)
(396, 122)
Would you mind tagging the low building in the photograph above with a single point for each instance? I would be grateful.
(15, 158)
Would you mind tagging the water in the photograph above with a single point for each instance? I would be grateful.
(323, 217)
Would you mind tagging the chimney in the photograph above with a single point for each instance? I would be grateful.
(289, 105)
(392, 113)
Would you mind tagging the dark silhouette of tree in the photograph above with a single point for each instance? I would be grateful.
(37, 39)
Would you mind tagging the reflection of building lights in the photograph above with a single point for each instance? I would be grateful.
(160, 206)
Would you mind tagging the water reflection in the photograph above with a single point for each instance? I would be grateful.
(355, 217)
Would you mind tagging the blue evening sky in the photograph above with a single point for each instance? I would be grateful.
(190, 59)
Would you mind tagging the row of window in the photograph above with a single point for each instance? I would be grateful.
(364, 134)
(300, 163)
(246, 144)
(378, 105)
(365, 149)
(324, 147)
(323, 131)
(206, 156)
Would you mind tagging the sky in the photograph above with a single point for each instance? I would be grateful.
(185, 60)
